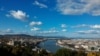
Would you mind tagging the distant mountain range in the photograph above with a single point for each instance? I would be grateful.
(16, 35)
(29, 36)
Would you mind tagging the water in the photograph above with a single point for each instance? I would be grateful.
(50, 45)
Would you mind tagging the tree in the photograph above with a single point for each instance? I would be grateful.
(43, 53)
(63, 52)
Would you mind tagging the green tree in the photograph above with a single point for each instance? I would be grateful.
(43, 53)
(63, 52)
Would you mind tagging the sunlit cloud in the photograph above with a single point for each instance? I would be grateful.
(20, 15)
(89, 32)
(64, 30)
(41, 5)
(73, 7)
(63, 25)
(33, 23)
(35, 29)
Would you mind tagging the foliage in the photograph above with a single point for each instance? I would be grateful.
(6, 50)
(68, 52)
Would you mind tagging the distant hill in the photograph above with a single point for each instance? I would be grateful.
(21, 35)
(0, 35)
(27, 36)
(16, 36)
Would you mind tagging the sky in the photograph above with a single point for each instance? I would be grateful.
(69, 18)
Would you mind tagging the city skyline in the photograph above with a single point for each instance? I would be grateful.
(70, 18)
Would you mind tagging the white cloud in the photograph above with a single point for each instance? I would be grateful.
(18, 14)
(7, 31)
(63, 25)
(95, 26)
(35, 29)
(89, 32)
(73, 7)
(41, 5)
(33, 23)
(64, 30)
(81, 25)
(49, 32)
(52, 30)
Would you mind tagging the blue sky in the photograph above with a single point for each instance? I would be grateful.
(70, 18)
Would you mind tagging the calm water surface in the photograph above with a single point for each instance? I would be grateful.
(50, 45)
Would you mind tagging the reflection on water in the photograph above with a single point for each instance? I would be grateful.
(50, 45)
